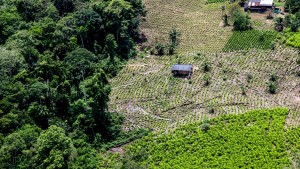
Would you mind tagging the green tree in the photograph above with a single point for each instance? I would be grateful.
(174, 40)
(279, 25)
(64, 6)
(11, 151)
(53, 149)
(10, 22)
(80, 64)
(241, 21)
(292, 5)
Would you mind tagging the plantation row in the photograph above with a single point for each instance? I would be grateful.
(147, 94)
(253, 39)
(255, 139)
(198, 23)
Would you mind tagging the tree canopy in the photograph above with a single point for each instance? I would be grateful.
(55, 60)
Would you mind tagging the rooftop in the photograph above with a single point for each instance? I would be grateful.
(182, 67)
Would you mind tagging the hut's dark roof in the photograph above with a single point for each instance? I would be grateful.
(182, 67)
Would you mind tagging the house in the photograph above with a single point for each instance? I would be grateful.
(183, 70)
(259, 4)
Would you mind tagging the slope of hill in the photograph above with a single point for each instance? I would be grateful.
(256, 139)
(147, 94)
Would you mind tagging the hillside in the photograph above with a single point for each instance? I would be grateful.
(255, 139)
(88, 84)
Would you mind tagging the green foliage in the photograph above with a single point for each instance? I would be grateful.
(272, 84)
(250, 39)
(215, 1)
(174, 40)
(207, 79)
(293, 143)
(205, 125)
(53, 149)
(206, 65)
(251, 140)
(292, 6)
(241, 21)
(272, 87)
(294, 40)
(160, 49)
(55, 60)
(279, 24)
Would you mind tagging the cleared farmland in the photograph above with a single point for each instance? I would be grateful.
(150, 97)
(199, 24)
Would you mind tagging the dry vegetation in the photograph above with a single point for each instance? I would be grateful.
(150, 97)
(200, 24)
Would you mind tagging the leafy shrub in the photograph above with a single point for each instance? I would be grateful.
(272, 87)
(206, 79)
(243, 88)
(249, 78)
(273, 77)
(279, 24)
(160, 49)
(294, 40)
(241, 21)
(205, 125)
(206, 66)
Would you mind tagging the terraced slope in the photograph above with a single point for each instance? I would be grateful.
(147, 94)
(200, 24)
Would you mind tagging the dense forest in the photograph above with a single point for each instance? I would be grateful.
(55, 62)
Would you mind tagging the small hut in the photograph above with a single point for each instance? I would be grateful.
(182, 70)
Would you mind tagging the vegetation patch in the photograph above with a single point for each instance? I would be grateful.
(215, 1)
(252, 140)
(294, 40)
(250, 39)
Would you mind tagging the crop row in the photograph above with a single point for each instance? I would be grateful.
(147, 94)
(252, 140)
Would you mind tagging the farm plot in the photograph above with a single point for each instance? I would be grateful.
(148, 96)
(200, 24)
(255, 39)
(199, 21)
(254, 139)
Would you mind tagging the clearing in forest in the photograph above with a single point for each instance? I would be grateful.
(149, 96)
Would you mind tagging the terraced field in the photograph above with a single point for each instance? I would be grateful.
(200, 23)
(150, 97)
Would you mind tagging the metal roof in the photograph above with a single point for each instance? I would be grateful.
(261, 2)
(182, 67)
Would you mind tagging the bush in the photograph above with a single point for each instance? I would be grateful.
(279, 24)
(249, 78)
(206, 79)
(272, 87)
(273, 77)
(241, 21)
(205, 125)
(206, 65)
(160, 49)
(292, 6)
(173, 40)
(244, 90)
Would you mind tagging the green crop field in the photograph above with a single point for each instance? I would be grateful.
(255, 39)
(256, 139)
